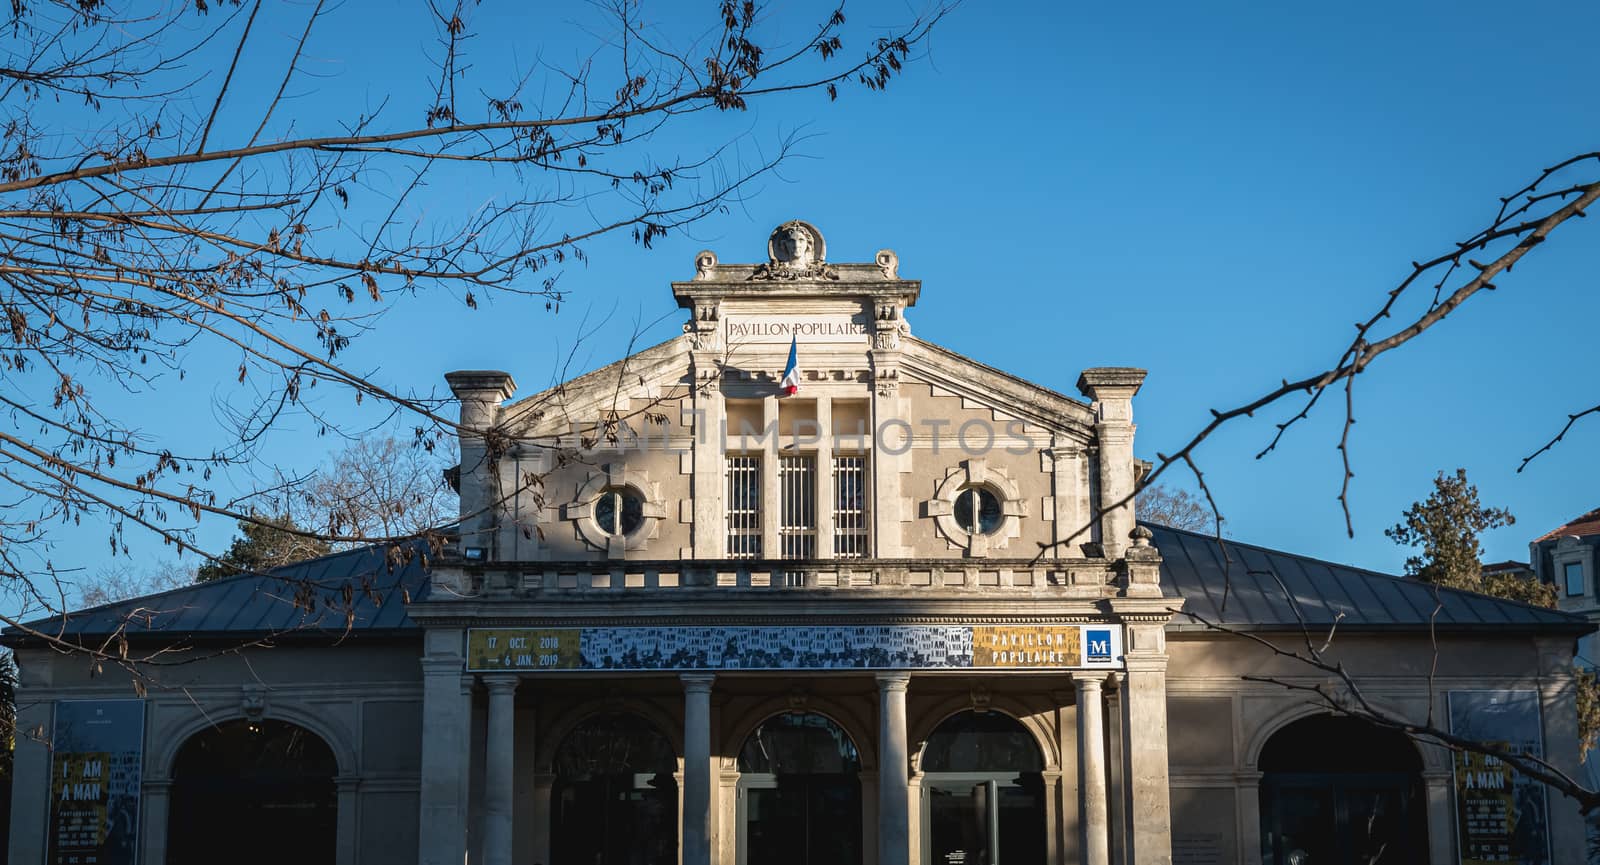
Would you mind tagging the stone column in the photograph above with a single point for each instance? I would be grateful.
(696, 836)
(442, 830)
(480, 393)
(1113, 389)
(499, 775)
(1092, 770)
(894, 768)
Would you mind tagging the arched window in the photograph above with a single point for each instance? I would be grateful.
(984, 799)
(253, 793)
(800, 793)
(1341, 791)
(614, 801)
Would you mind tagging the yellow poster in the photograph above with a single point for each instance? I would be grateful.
(490, 649)
(1026, 646)
(1486, 805)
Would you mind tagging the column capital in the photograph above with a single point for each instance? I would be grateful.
(502, 683)
(893, 681)
(697, 683)
(1088, 680)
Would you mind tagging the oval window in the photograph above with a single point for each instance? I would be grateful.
(977, 511)
(619, 511)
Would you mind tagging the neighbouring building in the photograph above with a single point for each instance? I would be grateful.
(1565, 558)
(797, 587)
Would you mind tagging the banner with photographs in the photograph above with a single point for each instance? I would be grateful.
(1501, 815)
(95, 774)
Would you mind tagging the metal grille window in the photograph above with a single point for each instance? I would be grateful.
(797, 530)
(744, 507)
(850, 507)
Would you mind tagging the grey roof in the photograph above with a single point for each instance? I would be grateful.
(1269, 589)
(304, 599)
(1266, 590)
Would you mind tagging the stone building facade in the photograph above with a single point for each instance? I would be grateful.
(901, 615)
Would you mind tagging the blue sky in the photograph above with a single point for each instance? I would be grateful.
(1215, 192)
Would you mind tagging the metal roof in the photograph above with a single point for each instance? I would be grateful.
(362, 591)
(1265, 589)
(1251, 587)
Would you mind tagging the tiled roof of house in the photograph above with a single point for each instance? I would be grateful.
(1588, 524)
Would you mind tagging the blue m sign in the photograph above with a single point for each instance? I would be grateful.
(1099, 645)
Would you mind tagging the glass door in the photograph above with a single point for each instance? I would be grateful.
(984, 821)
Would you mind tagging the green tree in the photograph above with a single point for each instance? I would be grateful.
(261, 545)
(1446, 526)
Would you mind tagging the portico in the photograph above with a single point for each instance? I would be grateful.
(914, 799)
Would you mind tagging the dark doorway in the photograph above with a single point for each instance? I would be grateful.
(984, 792)
(1339, 791)
(614, 801)
(253, 793)
(800, 793)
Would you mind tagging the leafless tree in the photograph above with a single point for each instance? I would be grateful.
(160, 201)
(378, 487)
(1173, 507)
(124, 579)
(1432, 289)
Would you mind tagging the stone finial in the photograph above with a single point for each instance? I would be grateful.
(1141, 536)
(889, 263)
(705, 264)
(481, 384)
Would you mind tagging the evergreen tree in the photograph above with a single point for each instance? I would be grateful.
(263, 545)
(1446, 526)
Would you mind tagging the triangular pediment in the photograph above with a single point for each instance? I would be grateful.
(1007, 395)
(656, 375)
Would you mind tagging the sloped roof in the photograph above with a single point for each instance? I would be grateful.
(1266, 590)
(381, 579)
(1273, 590)
(1588, 524)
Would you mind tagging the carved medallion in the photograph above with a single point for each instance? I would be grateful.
(795, 250)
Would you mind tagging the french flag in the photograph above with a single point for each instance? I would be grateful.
(791, 373)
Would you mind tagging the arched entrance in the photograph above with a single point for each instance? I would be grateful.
(1339, 791)
(983, 792)
(253, 793)
(799, 793)
(614, 801)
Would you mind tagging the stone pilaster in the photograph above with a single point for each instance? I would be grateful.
(30, 793)
(480, 393)
(442, 830)
(1069, 495)
(1440, 793)
(1558, 712)
(499, 771)
(1113, 389)
(1146, 783)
